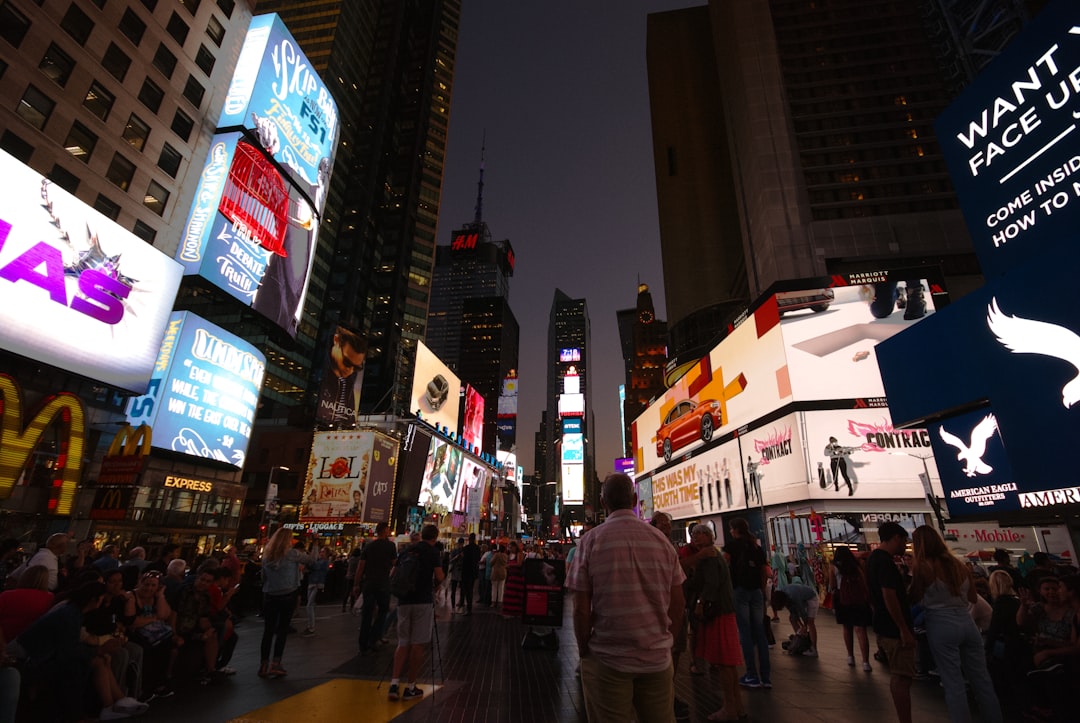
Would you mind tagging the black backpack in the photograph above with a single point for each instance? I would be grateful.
(406, 573)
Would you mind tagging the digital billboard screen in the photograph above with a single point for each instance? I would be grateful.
(350, 478)
(744, 377)
(829, 340)
(573, 483)
(1011, 143)
(976, 476)
(436, 391)
(441, 473)
(773, 462)
(710, 482)
(277, 96)
(343, 378)
(250, 232)
(472, 427)
(78, 291)
(202, 398)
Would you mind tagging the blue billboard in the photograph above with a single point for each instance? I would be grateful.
(976, 476)
(1012, 144)
(204, 391)
(277, 96)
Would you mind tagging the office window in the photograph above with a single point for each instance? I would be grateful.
(165, 61)
(169, 160)
(120, 172)
(177, 28)
(205, 59)
(16, 146)
(63, 178)
(132, 26)
(151, 95)
(156, 197)
(143, 231)
(215, 30)
(13, 24)
(35, 107)
(80, 142)
(77, 24)
(227, 7)
(107, 207)
(56, 65)
(192, 6)
(136, 132)
(116, 62)
(182, 125)
(98, 100)
(194, 91)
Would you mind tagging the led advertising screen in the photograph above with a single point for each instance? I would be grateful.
(202, 397)
(1012, 146)
(711, 482)
(508, 398)
(77, 291)
(470, 489)
(572, 354)
(1012, 342)
(343, 378)
(350, 478)
(571, 425)
(830, 333)
(472, 428)
(774, 462)
(573, 484)
(573, 448)
(624, 465)
(976, 476)
(869, 459)
(743, 378)
(440, 474)
(436, 391)
(279, 98)
(250, 232)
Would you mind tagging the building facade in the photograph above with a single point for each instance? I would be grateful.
(643, 339)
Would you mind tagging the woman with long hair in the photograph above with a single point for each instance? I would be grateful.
(1004, 643)
(942, 582)
(281, 579)
(851, 603)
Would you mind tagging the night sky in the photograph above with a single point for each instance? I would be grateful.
(560, 88)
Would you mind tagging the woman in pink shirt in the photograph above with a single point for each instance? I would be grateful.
(26, 603)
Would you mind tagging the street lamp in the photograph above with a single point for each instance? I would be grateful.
(928, 490)
(538, 513)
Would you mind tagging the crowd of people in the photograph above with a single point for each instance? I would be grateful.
(118, 631)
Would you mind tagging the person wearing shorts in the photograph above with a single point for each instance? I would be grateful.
(892, 614)
(802, 604)
(416, 613)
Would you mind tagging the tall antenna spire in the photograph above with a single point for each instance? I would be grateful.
(480, 186)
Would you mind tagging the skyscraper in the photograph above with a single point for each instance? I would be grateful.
(794, 140)
(569, 406)
(390, 65)
(643, 339)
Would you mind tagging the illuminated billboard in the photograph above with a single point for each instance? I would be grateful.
(343, 379)
(571, 405)
(77, 291)
(573, 448)
(572, 354)
(878, 460)
(711, 482)
(277, 96)
(204, 392)
(470, 489)
(976, 476)
(573, 484)
(436, 391)
(350, 478)
(472, 428)
(774, 466)
(250, 232)
(571, 425)
(830, 345)
(741, 379)
(1010, 143)
(441, 473)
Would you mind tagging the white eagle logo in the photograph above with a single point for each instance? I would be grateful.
(971, 453)
(1028, 336)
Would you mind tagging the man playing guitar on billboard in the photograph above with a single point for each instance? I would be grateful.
(837, 455)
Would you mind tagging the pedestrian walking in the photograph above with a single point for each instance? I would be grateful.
(281, 581)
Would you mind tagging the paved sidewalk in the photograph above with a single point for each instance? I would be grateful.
(486, 677)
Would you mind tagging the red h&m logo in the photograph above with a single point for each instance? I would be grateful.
(464, 241)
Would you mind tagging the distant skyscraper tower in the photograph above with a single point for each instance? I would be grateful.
(794, 140)
(390, 65)
(569, 339)
(643, 340)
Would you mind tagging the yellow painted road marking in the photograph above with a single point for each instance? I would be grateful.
(338, 699)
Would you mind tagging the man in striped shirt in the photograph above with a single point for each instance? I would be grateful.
(628, 601)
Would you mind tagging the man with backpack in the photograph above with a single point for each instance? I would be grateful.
(416, 576)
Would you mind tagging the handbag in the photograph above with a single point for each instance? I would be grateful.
(710, 609)
(153, 633)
